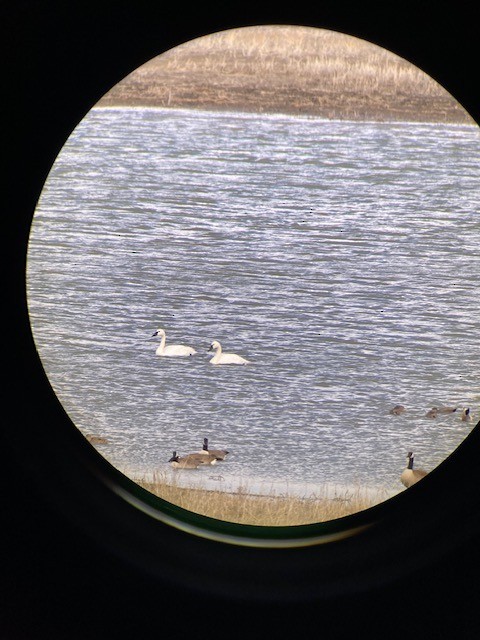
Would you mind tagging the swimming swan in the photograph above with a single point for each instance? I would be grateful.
(225, 358)
(173, 349)
(191, 460)
(410, 475)
(220, 454)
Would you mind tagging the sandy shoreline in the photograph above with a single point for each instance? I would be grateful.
(258, 487)
(259, 501)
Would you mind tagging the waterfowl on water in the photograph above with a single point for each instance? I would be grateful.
(225, 358)
(96, 439)
(397, 410)
(447, 409)
(191, 460)
(466, 417)
(410, 475)
(220, 454)
(172, 350)
(432, 413)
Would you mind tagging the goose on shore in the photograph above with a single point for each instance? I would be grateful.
(220, 454)
(410, 475)
(225, 358)
(191, 460)
(172, 350)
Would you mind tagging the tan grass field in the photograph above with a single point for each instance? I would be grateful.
(244, 507)
(287, 69)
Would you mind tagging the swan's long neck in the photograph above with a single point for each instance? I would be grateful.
(218, 349)
(162, 343)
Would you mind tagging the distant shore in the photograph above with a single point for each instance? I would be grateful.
(413, 110)
(189, 92)
(289, 70)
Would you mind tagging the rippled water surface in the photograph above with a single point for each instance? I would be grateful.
(340, 258)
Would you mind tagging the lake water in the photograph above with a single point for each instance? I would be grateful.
(340, 258)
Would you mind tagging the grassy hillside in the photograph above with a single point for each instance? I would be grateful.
(288, 69)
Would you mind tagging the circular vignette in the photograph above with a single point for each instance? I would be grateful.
(367, 549)
(350, 555)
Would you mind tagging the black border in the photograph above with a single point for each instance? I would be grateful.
(78, 560)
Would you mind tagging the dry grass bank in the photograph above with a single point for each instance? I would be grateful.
(246, 508)
(288, 70)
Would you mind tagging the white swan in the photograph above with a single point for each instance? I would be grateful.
(173, 349)
(225, 358)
